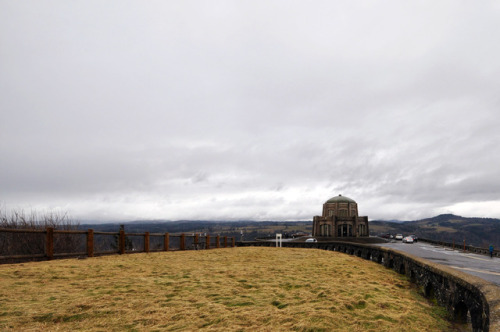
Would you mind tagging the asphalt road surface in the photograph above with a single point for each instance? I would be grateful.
(477, 265)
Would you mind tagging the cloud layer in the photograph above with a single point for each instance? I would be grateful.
(250, 110)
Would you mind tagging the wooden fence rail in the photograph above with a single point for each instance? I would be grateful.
(119, 242)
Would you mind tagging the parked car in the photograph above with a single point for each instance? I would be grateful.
(407, 239)
(399, 236)
(415, 238)
(311, 239)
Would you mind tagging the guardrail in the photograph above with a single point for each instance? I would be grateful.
(466, 297)
(26, 244)
(462, 246)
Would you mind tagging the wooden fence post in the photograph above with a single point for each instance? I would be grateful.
(218, 241)
(90, 243)
(233, 244)
(146, 242)
(49, 243)
(121, 242)
(196, 240)
(225, 241)
(207, 242)
(166, 242)
(182, 244)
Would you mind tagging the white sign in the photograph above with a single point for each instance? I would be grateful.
(278, 236)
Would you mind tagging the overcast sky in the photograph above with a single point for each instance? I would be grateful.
(261, 110)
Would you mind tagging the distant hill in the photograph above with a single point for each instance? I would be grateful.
(480, 232)
(445, 227)
(246, 230)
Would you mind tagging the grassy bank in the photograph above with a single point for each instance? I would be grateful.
(247, 289)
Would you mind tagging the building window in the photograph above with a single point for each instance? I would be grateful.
(330, 213)
(345, 230)
(361, 230)
(325, 230)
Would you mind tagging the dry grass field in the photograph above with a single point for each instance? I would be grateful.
(234, 289)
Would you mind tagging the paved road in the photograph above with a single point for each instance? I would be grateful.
(477, 265)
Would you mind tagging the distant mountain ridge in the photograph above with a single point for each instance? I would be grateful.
(247, 230)
(480, 232)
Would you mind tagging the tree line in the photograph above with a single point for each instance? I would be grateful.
(34, 243)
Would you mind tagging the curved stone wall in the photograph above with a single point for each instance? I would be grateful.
(460, 293)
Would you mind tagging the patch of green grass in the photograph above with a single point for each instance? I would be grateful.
(45, 318)
(360, 305)
(75, 317)
(239, 304)
(212, 322)
(389, 319)
(279, 305)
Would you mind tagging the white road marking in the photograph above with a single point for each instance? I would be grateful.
(456, 253)
(480, 258)
(475, 270)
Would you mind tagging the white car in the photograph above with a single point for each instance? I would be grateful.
(399, 236)
(408, 239)
(311, 240)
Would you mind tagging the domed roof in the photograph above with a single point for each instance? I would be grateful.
(340, 199)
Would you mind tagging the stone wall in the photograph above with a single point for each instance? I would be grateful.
(461, 294)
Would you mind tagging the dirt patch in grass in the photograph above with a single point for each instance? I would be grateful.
(234, 289)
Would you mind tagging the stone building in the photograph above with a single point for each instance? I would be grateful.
(340, 219)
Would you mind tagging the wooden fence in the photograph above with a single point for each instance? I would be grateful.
(24, 244)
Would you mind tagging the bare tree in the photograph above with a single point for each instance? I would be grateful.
(34, 243)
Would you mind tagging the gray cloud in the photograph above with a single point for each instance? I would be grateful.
(249, 110)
